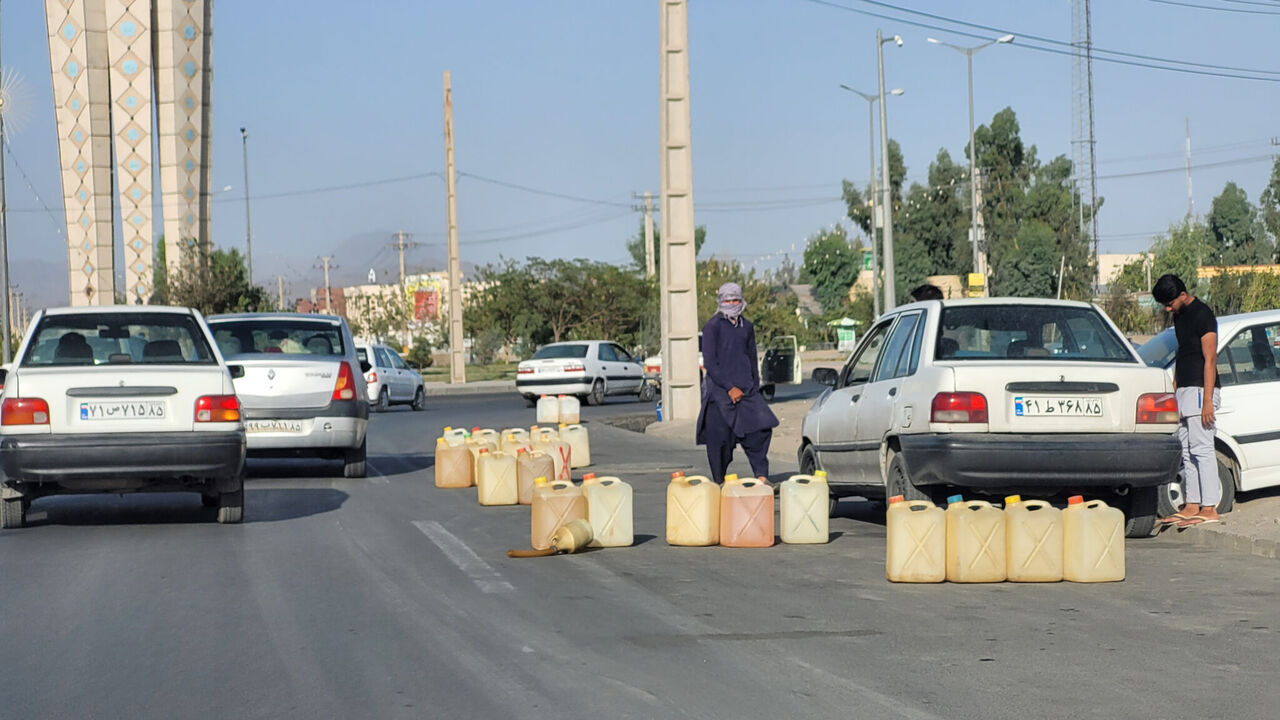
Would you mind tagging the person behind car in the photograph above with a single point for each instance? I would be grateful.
(733, 410)
(1194, 380)
(927, 291)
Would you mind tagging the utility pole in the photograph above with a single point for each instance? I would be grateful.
(248, 232)
(1191, 202)
(890, 297)
(328, 289)
(457, 371)
(401, 244)
(681, 392)
(5, 309)
(648, 235)
(280, 293)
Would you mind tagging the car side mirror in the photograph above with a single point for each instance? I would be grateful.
(237, 371)
(825, 376)
(365, 366)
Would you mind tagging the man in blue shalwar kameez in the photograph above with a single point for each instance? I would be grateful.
(733, 411)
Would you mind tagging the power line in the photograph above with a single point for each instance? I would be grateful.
(1212, 7)
(547, 193)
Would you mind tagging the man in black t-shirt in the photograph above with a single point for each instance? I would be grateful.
(1195, 384)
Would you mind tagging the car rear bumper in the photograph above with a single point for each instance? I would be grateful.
(316, 433)
(122, 456)
(1102, 460)
(557, 386)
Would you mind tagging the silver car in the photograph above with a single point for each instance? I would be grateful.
(390, 380)
(303, 389)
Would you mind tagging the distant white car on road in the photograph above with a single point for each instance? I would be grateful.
(120, 399)
(997, 396)
(1248, 427)
(390, 380)
(589, 369)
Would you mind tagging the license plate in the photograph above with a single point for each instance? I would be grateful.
(273, 426)
(1024, 406)
(123, 410)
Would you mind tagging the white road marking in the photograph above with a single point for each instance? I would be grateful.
(480, 572)
(376, 475)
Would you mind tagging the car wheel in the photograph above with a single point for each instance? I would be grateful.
(1170, 498)
(898, 482)
(420, 400)
(384, 400)
(354, 461)
(767, 391)
(208, 501)
(530, 401)
(808, 466)
(646, 392)
(596, 397)
(1142, 512)
(1227, 477)
(13, 513)
(231, 504)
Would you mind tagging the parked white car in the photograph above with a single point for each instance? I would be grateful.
(994, 396)
(303, 388)
(120, 399)
(390, 380)
(590, 369)
(1248, 428)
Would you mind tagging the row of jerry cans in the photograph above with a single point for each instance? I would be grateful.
(604, 502)
(466, 459)
(701, 513)
(1026, 541)
(560, 409)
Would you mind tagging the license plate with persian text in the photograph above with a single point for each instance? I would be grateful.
(1056, 405)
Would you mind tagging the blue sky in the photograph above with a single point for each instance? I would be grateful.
(561, 97)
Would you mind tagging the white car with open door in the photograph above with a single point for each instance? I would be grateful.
(590, 369)
(1248, 427)
(997, 396)
(303, 388)
(390, 380)
(120, 399)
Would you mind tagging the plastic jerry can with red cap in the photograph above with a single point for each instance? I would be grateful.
(693, 511)
(1092, 541)
(610, 510)
(1033, 540)
(548, 410)
(746, 513)
(915, 541)
(570, 410)
(975, 541)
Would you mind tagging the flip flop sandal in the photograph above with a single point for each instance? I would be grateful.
(1173, 519)
(1196, 520)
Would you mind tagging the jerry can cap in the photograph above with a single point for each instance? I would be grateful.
(677, 474)
(475, 429)
(1011, 499)
(448, 428)
(544, 394)
(730, 477)
(540, 481)
(896, 499)
(955, 499)
(519, 450)
(589, 476)
(564, 424)
(1075, 500)
(820, 473)
(484, 450)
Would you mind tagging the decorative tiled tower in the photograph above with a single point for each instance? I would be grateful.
(117, 64)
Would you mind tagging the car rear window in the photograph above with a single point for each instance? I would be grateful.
(1028, 333)
(283, 337)
(552, 352)
(118, 338)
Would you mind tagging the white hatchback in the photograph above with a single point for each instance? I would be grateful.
(120, 399)
(997, 396)
(390, 379)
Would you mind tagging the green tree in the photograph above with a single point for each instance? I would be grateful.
(831, 266)
(770, 308)
(1027, 268)
(215, 282)
(1181, 251)
(936, 217)
(419, 355)
(635, 246)
(1235, 225)
(1270, 204)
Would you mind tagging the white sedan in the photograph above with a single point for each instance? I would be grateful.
(997, 396)
(589, 369)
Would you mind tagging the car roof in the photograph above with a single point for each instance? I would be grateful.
(1007, 301)
(1250, 317)
(89, 309)
(575, 342)
(334, 319)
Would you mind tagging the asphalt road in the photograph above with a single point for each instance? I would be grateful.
(389, 598)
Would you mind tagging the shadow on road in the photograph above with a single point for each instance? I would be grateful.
(861, 510)
(265, 505)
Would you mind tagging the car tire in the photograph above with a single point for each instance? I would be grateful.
(1170, 497)
(596, 396)
(1142, 512)
(420, 400)
(530, 401)
(767, 391)
(808, 466)
(898, 482)
(13, 513)
(354, 465)
(209, 501)
(231, 504)
(384, 400)
(1227, 477)
(646, 393)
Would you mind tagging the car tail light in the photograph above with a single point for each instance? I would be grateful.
(24, 411)
(371, 377)
(345, 387)
(959, 407)
(217, 408)
(524, 371)
(1157, 408)
(575, 368)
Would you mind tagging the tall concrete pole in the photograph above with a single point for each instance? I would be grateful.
(5, 309)
(401, 244)
(871, 184)
(457, 370)
(681, 389)
(890, 297)
(248, 228)
(328, 289)
(280, 293)
(648, 235)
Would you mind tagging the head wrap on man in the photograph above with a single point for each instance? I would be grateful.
(730, 291)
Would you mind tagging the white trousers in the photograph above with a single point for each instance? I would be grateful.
(1200, 483)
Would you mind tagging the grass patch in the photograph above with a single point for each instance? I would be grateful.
(475, 373)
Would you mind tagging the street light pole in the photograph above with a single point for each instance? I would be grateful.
(248, 232)
(871, 160)
(979, 257)
(890, 297)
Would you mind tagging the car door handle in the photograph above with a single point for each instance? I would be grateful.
(854, 398)
(893, 391)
